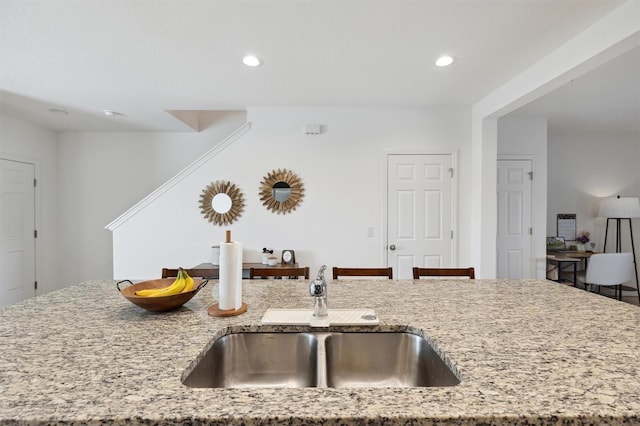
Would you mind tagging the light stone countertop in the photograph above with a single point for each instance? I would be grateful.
(529, 352)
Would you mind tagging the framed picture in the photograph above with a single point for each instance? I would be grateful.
(567, 226)
(288, 257)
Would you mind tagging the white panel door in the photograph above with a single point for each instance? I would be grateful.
(419, 211)
(514, 219)
(17, 240)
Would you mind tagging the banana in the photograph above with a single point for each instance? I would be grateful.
(152, 291)
(174, 288)
(147, 292)
(171, 291)
(190, 282)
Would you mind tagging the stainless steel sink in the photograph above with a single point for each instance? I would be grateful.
(384, 360)
(320, 359)
(282, 360)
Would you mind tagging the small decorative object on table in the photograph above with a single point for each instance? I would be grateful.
(288, 257)
(583, 239)
(265, 255)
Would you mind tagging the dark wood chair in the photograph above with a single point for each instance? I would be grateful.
(293, 273)
(443, 272)
(193, 273)
(362, 272)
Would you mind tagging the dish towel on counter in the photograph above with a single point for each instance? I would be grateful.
(230, 287)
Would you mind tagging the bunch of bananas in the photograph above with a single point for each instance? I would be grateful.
(182, 284)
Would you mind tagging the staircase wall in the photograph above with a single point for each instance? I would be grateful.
(343, 171)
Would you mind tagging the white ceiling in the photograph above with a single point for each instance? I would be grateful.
(146, 57)
(605, 100)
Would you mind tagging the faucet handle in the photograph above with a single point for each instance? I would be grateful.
(321, 272)
(318, 286)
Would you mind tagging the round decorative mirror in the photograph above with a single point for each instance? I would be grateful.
(221, 202)
(281, 191)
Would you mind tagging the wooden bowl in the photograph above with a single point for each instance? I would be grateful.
(161, 303)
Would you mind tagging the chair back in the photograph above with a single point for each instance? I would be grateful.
(279, 272)
(362, 272)
(443, 272)
(194, 273)
(610, 269)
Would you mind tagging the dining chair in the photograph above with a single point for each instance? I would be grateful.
(608, 270)
(293, 273)
(362, 272)
(443, 272)
(194, 273)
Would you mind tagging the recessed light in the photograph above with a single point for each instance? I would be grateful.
(58, 111)
(251, 61)
(445, 61)
(111, 113)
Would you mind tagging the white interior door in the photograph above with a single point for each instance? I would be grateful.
(419, 212)
(515, 232)
(17, 239)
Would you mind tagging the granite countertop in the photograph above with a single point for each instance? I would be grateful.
(529, 352)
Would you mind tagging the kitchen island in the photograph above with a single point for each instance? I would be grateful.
(528, 352)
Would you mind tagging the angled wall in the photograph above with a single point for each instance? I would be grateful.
(102, 174)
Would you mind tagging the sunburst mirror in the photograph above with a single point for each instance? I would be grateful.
(221, 202)
(281, 191)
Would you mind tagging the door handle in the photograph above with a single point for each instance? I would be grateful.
(392, 247)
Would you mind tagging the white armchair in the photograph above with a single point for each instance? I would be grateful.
(608, 269)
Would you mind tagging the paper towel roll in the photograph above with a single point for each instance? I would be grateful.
(230, 270)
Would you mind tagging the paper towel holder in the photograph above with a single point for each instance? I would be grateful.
(215, 311)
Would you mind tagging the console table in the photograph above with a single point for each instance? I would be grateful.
(246, 267)
(568, 258)
(563, 260)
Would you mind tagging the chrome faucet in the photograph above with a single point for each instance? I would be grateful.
(318, 289)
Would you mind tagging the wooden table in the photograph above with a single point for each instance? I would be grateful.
(246, 267)
(562, 259)
(572, 258)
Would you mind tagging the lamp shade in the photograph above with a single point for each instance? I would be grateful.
(620, 207)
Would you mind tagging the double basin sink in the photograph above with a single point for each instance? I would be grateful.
(321, 360)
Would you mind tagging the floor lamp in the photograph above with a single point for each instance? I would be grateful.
(619, 209)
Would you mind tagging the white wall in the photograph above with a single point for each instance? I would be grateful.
(343, 173)
(102, 174)
(615, 34)
(26, 142)
(527, 139)
(586, 167)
